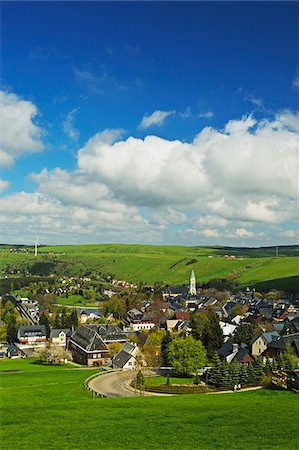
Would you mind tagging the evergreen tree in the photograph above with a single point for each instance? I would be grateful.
(243, 333)
(167, 339)
(258, 370)
(12, 330)
(212, 335)
(243, 374)
(234, 373)
(251, 374)
(74, 319)
(44, 320)
(225, 375)
(215, 374)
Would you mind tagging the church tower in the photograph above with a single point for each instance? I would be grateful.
(192, 285)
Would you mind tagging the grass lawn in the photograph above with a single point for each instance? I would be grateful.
(50, 409)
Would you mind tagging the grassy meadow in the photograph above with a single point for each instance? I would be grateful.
(45, 407)
(173, 264)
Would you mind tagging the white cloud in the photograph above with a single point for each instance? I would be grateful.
(18, 133)
(206, 115)
(226, 184)
(156, 118)
(210, 233)
(68, 125)
(3, 184)
(291, 233)
(243, 233)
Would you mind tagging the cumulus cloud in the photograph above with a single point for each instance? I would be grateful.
(3, 184)
(18, 133)
(225, 184)
(243, 233)
(156, 118)
(68, 125)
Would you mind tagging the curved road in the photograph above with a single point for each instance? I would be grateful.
(113, 384)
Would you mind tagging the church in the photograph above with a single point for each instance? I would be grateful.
(192, 284)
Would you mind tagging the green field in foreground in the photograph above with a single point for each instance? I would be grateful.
(173, 264)
(50, 409)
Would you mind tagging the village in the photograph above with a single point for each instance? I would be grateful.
(234, 330)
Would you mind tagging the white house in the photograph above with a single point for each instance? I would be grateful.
(126, 358)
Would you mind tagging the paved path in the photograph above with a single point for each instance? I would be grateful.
(113, 384)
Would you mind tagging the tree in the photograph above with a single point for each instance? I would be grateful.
(197, 323)
(44, 320)
(186, 354)
(114, 348)
(151, 354)
(12, 329)
(167, 339)
(54, 354)
(243, 374)
(74, 318)
(289, 358)
(243, 333)
(215, 374)
(212, 335)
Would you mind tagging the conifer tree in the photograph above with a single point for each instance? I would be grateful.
(251, 374)
(243, 374)
(258, 370)
(267, 366)
(234, 373)
(167, 339)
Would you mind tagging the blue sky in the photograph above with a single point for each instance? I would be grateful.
(193, 72)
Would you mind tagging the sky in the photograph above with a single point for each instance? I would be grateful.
(149, 122)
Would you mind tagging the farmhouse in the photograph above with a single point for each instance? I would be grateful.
(88, 347)
(31, 335)
(126, 358)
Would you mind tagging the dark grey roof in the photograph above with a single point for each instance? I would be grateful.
(121, 359)
(31, 330)
(226, 349)
(109, 332)
(88, 338)
(280, 344)
(56, 331)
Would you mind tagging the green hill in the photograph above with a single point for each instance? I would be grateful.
(172, 264)
(46, 407)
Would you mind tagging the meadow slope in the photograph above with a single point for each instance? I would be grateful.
(48, 407)
(173, 264)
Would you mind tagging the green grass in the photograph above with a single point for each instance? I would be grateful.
(171, 264)
(50, 409)
(75, 300)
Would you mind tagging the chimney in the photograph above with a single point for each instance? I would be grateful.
(235, 348)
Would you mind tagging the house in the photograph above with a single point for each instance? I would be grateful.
(231, 352)
(60, 336)
(126, 358)
(228, 329)
(278, 346)
(111, 333)
(13, 351)
(85, 314)
(88, 347)
(137, 321)
(260, 343)
(31, 335)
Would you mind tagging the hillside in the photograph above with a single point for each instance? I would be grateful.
(48, 407)
(171, 264)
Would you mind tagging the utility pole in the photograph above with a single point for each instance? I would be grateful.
(276, 252)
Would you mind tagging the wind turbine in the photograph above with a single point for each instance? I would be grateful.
(35, 246)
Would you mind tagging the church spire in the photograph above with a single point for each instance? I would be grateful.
(192, 285)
